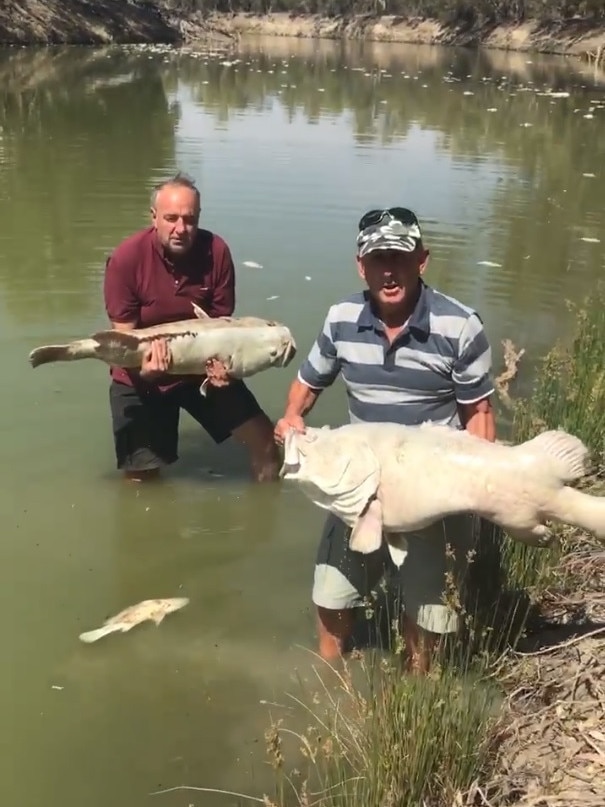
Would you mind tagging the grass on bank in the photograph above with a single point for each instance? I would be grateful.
(379, 739)
(464, 12)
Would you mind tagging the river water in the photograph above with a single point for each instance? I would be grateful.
(290, 141)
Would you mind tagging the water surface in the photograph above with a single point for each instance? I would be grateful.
(290, 141)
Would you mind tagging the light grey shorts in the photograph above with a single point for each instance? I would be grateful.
(345, 579)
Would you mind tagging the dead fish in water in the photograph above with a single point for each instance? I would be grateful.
(153, 610)
(246, 345)
(382, 478)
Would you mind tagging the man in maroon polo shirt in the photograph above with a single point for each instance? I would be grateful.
(154, 276)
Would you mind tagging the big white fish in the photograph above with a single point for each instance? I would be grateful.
(153, 610)
(387, 478)
(246, 345)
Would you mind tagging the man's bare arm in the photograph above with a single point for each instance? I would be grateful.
(301, 399)
(478, 418)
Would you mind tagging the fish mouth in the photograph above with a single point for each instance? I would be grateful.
(289, 468)
(291, 462)
(289, 353)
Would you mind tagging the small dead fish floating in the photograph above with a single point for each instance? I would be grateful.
(152, 610)
(246, 345)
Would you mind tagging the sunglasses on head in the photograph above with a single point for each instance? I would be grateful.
(373, 217)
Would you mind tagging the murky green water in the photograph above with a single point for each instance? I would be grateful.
(290, 144)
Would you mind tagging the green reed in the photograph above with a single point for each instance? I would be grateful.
(568, 393)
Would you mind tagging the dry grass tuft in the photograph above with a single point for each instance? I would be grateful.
(512, 358)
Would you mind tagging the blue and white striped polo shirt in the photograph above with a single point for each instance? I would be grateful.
(440, 358)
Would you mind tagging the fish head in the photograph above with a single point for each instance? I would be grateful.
(271, 344)
(338, 473)
(281, 344)
(171, 604)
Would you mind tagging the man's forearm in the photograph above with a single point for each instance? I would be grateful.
(479, 419)
(301, 399)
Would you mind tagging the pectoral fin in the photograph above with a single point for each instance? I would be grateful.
(204, 387)
(199, 312)
(366, 535)
(398, 548)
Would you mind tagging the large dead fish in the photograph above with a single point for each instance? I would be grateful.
(246, 345)
(387, 478)
(153, 610)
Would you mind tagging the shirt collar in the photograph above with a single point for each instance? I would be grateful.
(419, 320)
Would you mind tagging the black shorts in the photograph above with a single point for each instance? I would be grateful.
(146, 423)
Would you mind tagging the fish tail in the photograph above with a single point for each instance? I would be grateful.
(579, 509)
(122, 340)
(93, 635)
(569, 453)
(81, 349)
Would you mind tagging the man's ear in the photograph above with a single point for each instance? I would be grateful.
(424, 261)
(153, 214)
(360, 269)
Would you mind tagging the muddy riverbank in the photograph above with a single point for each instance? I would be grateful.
(46, 22)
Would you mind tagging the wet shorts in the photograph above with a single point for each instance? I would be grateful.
(346, 579)
(146, 424)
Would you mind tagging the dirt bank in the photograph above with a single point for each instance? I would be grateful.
(133, 21)
(81, 22)
(575, 37)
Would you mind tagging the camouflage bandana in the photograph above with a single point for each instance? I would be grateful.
(390, 234)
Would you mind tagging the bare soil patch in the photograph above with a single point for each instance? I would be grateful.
(552, 744)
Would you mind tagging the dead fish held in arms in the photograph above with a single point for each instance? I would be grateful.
(246, 345)
(382, 478)
(153, 610)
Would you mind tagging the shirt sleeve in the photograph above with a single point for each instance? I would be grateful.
(121, 301)
(223, 293)
(322, 365)
(473, 367)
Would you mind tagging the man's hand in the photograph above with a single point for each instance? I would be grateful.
(156, 360)
(217, 374)
(283, 426)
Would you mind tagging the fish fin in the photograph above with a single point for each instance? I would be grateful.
(568, 452)
(125, 340)
(199, 312)
(99, 633)
(204, 387)
(80, 349)
(366, 535)
(398, 548)
(48, 354)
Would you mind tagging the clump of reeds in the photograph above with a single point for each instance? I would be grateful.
(380, 739)
(568, 393)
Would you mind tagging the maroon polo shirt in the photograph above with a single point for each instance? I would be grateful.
(141, 286)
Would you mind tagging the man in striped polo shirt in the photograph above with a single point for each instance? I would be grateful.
(407, 354)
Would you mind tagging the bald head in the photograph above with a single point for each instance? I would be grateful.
(175, 212)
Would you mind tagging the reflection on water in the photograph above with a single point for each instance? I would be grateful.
(290, 141)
